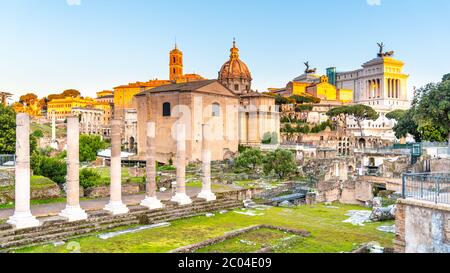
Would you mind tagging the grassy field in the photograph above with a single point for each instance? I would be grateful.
(47, 129)
(253, 241)
(328, 233)
(105, 176)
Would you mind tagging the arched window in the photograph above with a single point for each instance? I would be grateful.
(166, 109)
(216, 110)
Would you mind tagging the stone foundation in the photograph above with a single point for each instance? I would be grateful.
(55, 229)
(192, 248)
(48, 192)
(104, 191)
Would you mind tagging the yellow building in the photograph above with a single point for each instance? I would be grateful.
(62, 108)
(105, 93)
(124, 94)
(328, 92)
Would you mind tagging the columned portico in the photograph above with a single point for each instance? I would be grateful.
(22, 217)
(115, 205)
(73, 211)
(180, 196)
(206, 192)
(151, 201)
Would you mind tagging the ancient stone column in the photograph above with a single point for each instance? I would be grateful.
(180, 196)
(53, 142)
(22, 217)
(151, 201)
(206, 192)
(53, 126)
(73, 211)
(115, 205)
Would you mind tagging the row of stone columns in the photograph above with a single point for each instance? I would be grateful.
(393, 87)
(23, 218)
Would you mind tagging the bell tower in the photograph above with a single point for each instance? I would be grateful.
(175, 64)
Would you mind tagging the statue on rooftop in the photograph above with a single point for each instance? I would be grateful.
(381, 53)
(308, 70)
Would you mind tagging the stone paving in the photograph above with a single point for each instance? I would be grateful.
(96, 204)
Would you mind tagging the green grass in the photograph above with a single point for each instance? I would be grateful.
(47, 129)
(215, 187)
(105, 176)
(328, 232)
(41, 182)
(251, 242)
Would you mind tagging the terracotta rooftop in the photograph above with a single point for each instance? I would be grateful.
(188, 86)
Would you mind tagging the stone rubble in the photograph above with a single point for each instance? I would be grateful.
(249, 213)
(358, 217)
(383, 214)
(389, 229)
(61, 243)
(247, 242)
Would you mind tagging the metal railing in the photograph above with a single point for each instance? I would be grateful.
(433, 187)
(386, 150)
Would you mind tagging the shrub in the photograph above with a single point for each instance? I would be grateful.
(280, 162)
(89, 178)
(53, 168)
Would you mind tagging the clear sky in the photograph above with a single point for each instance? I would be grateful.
(48, 46)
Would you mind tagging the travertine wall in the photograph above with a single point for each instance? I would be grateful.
(422, 227)
(192, 109)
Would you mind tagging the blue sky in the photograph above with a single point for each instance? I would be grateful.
(48, 45)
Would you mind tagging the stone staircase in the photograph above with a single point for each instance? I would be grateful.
(54, 229)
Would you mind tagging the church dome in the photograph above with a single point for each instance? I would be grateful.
(234, 68)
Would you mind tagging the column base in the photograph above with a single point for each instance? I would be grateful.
(21, 220)
(182, 199)
(74, 213)
(116, 207)
(207, 195)
(152, 203)
(54, 145)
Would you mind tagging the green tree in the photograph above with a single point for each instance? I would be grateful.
(446, 77)
(405, 124)
(71, 93)
(249, 159)
(432, 111)
(89, 147)
(33, 144)
(280, 162)
(38, 134)
(359, 112)
(7, 130)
